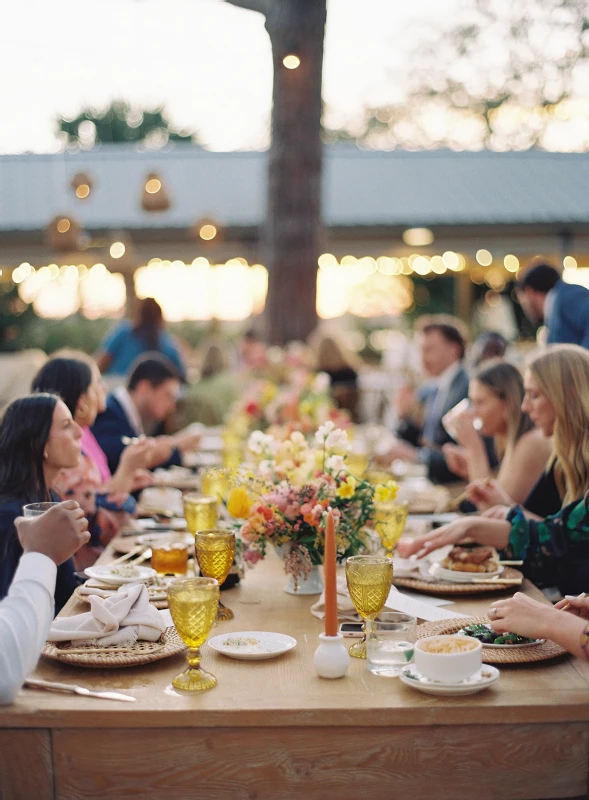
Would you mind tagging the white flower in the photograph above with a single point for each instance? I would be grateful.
(335, 464)
(298, 439)
(324, 432)
(337, 440)
(321, 383)
(259, 443)
(266, 470)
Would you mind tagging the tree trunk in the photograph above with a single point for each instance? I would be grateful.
(293, 227)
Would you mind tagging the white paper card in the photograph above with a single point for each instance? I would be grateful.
(398, 601)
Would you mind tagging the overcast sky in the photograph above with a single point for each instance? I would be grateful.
(208, 62)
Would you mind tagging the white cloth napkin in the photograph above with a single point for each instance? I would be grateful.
(122, 618)
(100, 591)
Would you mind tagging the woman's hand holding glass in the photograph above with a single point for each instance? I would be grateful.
(485, 493)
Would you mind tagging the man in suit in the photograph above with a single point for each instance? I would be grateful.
(562, 307)
(442, 352)
(149, 397)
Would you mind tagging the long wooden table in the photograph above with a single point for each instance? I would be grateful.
(274, 729)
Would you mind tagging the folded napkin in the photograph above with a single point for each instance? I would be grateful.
(100, 591)
(410, 567)
(122, 618)
(345, 607)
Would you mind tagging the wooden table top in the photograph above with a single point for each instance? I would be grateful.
(286, 691)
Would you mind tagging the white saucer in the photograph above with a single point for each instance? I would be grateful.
(438, 572)
(266, 645)
(504, 646)
(479, 681)
(105, 575)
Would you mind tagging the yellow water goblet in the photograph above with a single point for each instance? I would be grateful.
(369, 580)
(214, 482)
(215, 551)
(193, 605)
(200, 511)
(389, 523)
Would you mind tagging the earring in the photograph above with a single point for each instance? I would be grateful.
(45, 455)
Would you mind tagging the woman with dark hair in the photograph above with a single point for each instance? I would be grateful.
(90, 483)
(38, 438)
(127, 341)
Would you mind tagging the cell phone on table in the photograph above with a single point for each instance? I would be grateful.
(351, 630)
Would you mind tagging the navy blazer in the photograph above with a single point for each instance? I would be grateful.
(109, 428)
(11, 551)
(568, 315)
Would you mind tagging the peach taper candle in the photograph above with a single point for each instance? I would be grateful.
(330, 577)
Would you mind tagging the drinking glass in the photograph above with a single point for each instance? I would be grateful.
(390, 642)
(200, 511)
(389, 523)
(193, 606)
(214, 482)
(215, 551)
(169, 553)
(369, 580)
(36, 509)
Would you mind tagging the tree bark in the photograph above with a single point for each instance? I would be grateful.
(293, 232)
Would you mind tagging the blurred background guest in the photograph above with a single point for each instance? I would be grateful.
(127, 341)
(496, 394)
(562, 307)
(486, 346)
(343, 367)
(209, 399)
(442, 346)
(38, 438)
(149, 398)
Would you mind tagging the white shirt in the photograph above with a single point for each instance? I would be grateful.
(129, 408)
(26, 614)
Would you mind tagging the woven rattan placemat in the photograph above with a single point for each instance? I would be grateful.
(115, 656)
(441, 587)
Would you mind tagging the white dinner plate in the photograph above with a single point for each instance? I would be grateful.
(105, 574)
(535, 643)
(252, 645)
(453, 576)
(174, 524)
(486, 676)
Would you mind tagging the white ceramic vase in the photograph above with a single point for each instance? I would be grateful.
(312, 584)
(331, 658)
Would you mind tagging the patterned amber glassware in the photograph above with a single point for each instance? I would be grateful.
(200, 511)
(193, 605)
(389, 523)
(215, 551)
(369, 580)
(214, 482)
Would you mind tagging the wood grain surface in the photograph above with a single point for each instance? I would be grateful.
(26, 769)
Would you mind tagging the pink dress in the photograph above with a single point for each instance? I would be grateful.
(94, 451)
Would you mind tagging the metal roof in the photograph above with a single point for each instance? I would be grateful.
(360, 187)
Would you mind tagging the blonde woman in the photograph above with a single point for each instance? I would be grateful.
(555, 551)
(496, 393)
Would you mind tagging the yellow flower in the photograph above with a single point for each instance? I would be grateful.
(239, 502)
(347, 488)
(385, 492)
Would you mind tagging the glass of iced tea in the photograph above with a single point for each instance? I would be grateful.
(169, 553)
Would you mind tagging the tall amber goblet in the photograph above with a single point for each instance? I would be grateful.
(214, 482)
(193, 605)
(200, 511)
(389, 523)
(215, 551)
(369, 580)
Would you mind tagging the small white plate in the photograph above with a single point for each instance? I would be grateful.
(106, 575)
(252, 645)
(453, 576)
(174, 524)
(486, 676)
(504, 646)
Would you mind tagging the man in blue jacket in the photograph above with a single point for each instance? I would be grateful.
(149, 397)
(562, 307)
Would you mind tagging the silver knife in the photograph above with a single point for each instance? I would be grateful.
(71, 688)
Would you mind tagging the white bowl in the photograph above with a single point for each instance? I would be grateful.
(448, 667)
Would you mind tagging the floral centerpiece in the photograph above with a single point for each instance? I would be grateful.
(284, 495)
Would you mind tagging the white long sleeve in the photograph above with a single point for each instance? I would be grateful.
(26, 614)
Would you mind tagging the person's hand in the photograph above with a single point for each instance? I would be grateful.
(142, 479)
(496, 512)
(579, 606)
(485, 493)
(463, 429)
(452, 533)
(522, 615)
(405, 401)
(58, 533)
(186, 440)
(402, 451)
(456, 460)
(138, 455)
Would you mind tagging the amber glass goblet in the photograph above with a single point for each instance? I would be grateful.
(215, 551)
(193, 605)
(200, 511)
(214, 482)
(369, 580)
(389, 523)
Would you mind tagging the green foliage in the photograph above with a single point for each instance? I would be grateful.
(121, 122)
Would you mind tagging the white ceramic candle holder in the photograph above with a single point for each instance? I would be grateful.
(331, 658)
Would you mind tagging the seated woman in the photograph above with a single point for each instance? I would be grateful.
(343, 367)
(38, 438)
(555, 551)
(566, 623)
(496, 393)
(101, 495)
